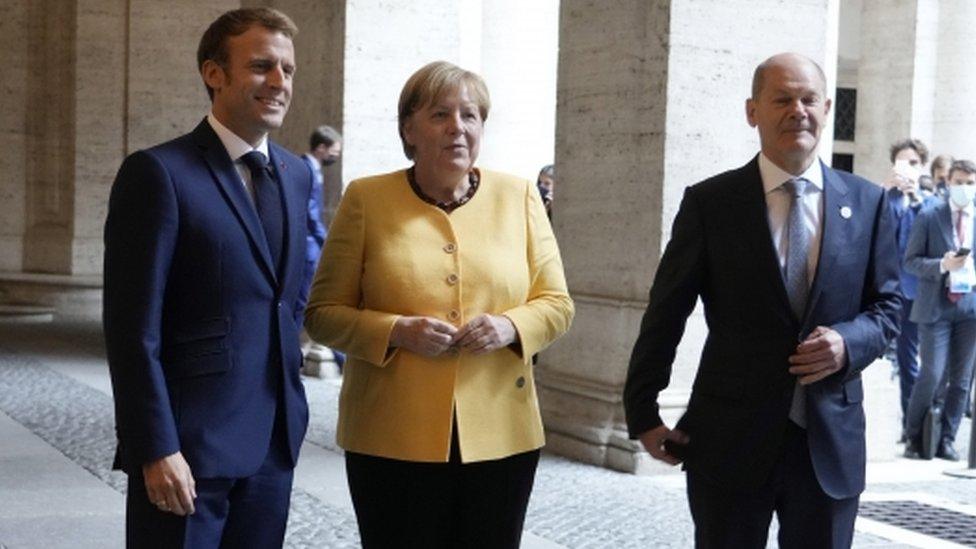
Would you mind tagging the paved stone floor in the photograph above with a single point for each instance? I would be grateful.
(57, 489)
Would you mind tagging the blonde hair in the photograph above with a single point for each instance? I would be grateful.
(431, 83)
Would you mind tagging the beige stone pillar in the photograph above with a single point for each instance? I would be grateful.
(953, 113)
(897, 59)
(14, 88)
(318, 89)
(650, 100)
(385, 42)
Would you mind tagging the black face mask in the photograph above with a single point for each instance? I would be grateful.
(330, 160)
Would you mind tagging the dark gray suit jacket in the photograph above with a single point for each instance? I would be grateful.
(721, 251)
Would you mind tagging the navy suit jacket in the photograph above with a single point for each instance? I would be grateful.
(904, 217)
(201, 331)
(931, 237)
(721, 250)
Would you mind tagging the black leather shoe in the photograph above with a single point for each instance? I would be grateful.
(947, 451)
(913, 448)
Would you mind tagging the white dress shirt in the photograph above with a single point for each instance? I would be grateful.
(967, 225)
(236, 148)
(778, 199)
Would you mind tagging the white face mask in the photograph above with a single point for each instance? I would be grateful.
(961, 195)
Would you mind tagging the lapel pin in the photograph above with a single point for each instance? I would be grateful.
(845, 212)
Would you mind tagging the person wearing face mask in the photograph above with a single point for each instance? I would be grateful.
(324, 150)
(906, 197)
(939, 254)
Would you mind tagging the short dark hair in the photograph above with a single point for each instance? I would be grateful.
(941, 162)
(965, 166)
(548, 170)
(213, 43)
(324, 135)
(910, 143)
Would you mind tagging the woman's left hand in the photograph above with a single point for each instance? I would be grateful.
(485, 333)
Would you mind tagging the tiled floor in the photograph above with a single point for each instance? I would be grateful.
(56, 488)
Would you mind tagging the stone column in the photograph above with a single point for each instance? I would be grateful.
(650, 100)
(385, 42)
(953, 115)
(511, 44)
(518, 58)
(50, 124)
(318, 89)
(886, 82)
(15, 89)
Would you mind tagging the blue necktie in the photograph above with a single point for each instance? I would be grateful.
(267, 201)
(797, 288)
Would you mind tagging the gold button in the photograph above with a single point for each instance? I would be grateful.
(452, 279)
(453, 315)
(450, 248)
(520, 382)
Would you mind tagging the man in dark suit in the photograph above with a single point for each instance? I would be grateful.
(946, 315)
(204, 260)
(906, 198)
(796, 266)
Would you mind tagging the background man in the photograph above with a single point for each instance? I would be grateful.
(204, 262)
(906, 198)
(782, 250)
(946, 316)
(325, 148)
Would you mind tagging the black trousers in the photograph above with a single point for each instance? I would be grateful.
(808, 517)
(407, 504)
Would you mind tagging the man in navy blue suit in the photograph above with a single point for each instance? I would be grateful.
(796, 267)
(906, 198)
(204, 261)
(945, 312)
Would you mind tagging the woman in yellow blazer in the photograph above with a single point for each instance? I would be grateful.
(440, 282)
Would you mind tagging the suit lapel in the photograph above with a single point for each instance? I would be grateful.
(223, 171)
(837, 230)
(755, 220)
(945, 225)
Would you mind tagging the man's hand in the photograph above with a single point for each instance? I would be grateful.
(170, 485)
(422, 335)
(653, 442)
(821, 354)
(952, 263)
(485, 333)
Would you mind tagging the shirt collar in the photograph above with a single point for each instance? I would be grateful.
(968, 208)
(773, 176)
(236, 147)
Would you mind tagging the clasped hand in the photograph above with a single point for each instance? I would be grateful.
(821, 354)
(430, 337)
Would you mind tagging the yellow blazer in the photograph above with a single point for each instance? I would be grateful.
(389, 253)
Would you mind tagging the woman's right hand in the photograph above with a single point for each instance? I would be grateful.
(422, 335)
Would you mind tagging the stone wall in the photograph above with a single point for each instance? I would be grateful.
(651, 98)
(14, 91)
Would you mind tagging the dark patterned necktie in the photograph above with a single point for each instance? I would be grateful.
(797, 286)
(267, 201)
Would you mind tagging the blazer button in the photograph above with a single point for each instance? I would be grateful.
(453, 315)
(450, 248)
(520, 382)
(452, 279)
